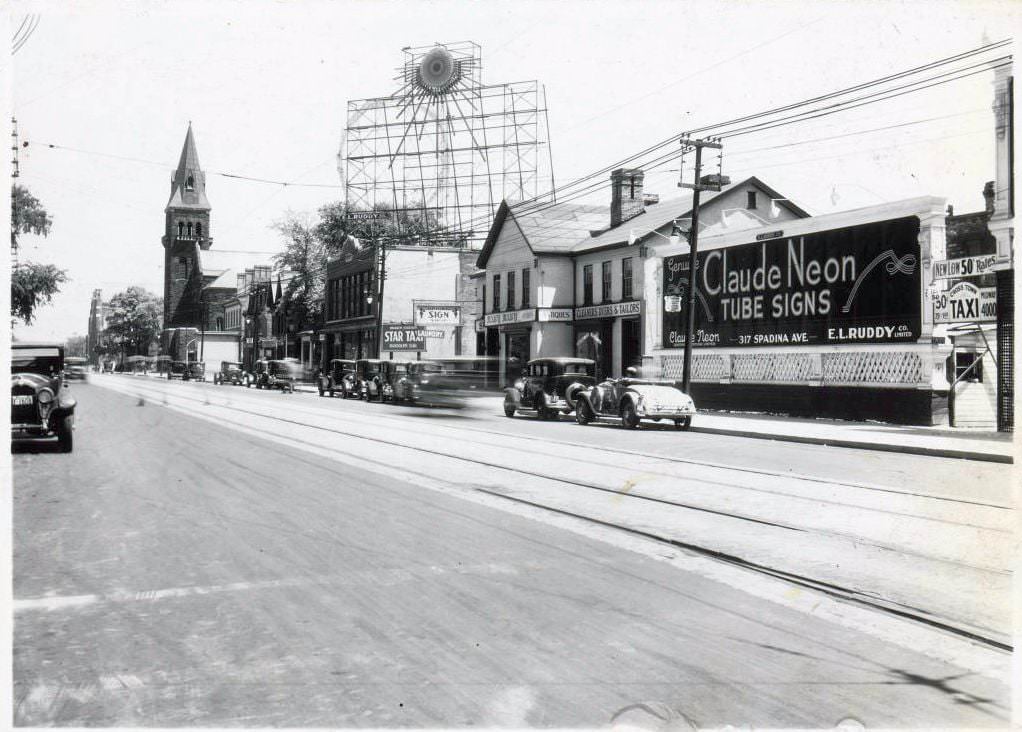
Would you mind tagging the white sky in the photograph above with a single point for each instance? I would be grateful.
(265, 86)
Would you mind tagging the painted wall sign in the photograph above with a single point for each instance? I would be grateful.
(514, 316)
(404, 338)
(966, 303)
(610, 310)
(965, 267)
(367, 215)
(859, 284)
(554, 315)
(429, 313)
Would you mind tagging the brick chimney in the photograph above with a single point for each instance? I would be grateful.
(988, 195)
(625, 195)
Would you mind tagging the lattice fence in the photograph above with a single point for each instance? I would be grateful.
(873, 367)
(776, 367)
(854, 367)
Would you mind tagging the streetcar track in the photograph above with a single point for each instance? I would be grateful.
(833, 590)
(630, 494)
(720, 466)
(708, 481)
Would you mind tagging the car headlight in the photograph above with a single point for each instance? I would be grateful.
(45, 396)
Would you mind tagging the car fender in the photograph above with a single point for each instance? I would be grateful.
(513, 396)
(573, 392)
(587, 397)
(628, 397)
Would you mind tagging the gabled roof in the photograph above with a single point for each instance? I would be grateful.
(566, 228)
(216, 263)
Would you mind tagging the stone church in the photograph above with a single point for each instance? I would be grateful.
(198, 282)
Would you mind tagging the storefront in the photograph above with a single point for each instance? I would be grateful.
(517, 336)
(830, 316)
(611, 335)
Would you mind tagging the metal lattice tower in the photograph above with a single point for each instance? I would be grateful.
(445, 148)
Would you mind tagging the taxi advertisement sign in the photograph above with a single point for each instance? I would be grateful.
(964, 267)
(965, 303)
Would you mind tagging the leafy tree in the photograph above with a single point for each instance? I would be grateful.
(135, 321)
(76, 345)
(32, 285)
(305, 256)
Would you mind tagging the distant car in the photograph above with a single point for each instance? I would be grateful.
(632, 399)
(445, 382)
(549, 386)
(177, 370)
(368, 380)
(339, 378)
(41, 405)
(276, 374)
(391, 374)
(230, 373)
(76, 369)
(187, 370)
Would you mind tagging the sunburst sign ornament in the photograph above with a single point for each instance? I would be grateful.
(445, 149)
(438, 72)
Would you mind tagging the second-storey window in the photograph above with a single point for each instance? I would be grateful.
(587, 284)
(496, 293)
(605, 288)
(510, 290)
(626, 278)
(526, 294)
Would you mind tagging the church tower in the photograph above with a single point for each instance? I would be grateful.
(185, 236)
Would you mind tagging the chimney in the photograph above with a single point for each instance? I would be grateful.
(625, 195)
(988, 196)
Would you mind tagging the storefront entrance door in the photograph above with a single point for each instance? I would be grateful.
(517, 355)
(631, 344)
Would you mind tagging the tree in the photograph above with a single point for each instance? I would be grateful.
(305, 256)
(76, 345)
(135, 321)
(32, 285)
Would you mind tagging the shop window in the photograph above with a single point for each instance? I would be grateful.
(587, 284)
(526, 299)
(626, 278)
(605, 293)
(496, 293)
(963, 360)
(510, 290)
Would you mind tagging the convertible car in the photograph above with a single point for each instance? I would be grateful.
(631, 400)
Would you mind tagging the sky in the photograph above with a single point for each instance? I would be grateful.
(265, 86)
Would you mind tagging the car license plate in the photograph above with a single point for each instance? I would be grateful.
(21, 400)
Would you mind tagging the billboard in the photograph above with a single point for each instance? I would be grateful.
(404, 338)
(859, 284)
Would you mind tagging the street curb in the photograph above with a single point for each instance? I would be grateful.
(990, 457)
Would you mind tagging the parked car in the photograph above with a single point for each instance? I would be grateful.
(339, 378)
(41, 405)
(632, 399)
(230, 373)
(446, 382)
(76, 368)
(391, 374)
(418, 382)
(367, 379)
(549, 386)
(276, 374)
(187, 370)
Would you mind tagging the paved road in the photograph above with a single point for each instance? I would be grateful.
(177, 570)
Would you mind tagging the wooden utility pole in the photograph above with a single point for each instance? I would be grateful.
(697, 187)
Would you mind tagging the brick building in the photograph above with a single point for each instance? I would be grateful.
(98, 311)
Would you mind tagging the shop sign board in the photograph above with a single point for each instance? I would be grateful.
(514, 316)
(554, 315)
(610, 310)
(858, 284)
(434, 333)
(966, 303)
(947, 269)
(367, 215)
(435, 313)
(404, 338)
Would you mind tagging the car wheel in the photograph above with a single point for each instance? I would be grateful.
(583, 414)
(683, 423)
(629, 417)
(509, 410)
(65, 434)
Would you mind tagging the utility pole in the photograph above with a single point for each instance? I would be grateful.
(382, 276)
(712, 183)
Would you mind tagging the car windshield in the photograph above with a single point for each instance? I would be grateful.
(41, 360)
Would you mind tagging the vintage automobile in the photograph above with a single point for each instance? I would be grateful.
(75, 368)
(367, 379)
(276, 374)
(549, 386)
(391, 374)
(340, 378)
(446, 382)
(187, 370)
(632, 399)
(230, 373)
(41, 405)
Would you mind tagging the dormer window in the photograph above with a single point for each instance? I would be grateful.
(180, 229)
(750, 199)
(190, 183)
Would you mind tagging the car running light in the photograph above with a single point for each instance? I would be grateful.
(45, 396)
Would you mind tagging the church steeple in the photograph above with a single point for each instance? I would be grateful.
(188, 182)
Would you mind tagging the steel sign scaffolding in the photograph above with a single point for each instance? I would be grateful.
(445, 148)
